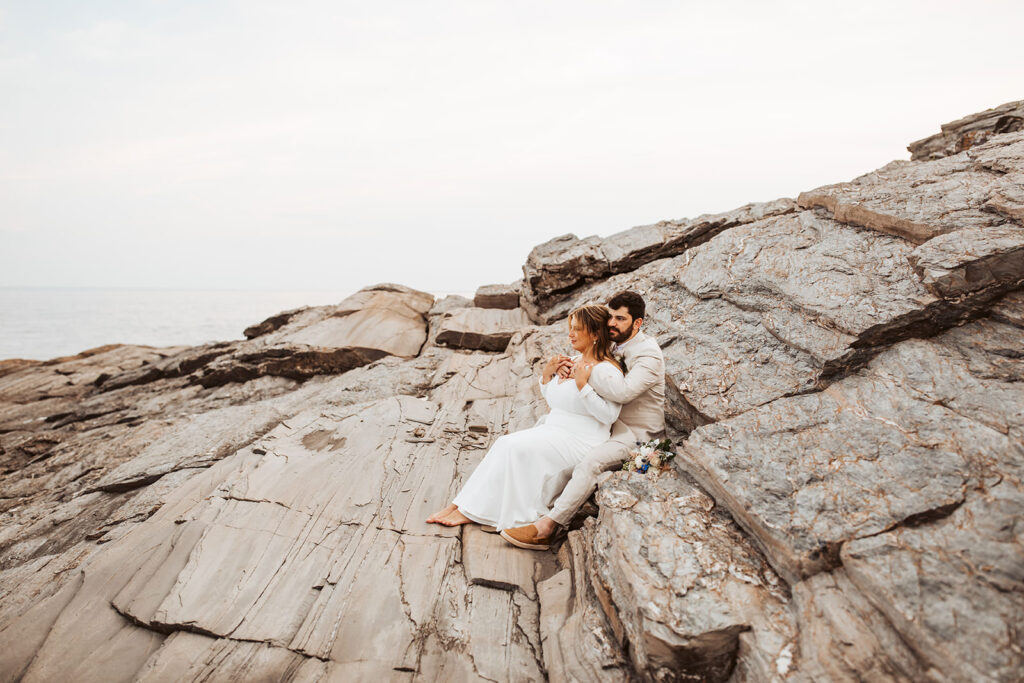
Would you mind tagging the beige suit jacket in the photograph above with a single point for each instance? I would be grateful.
(641, 391)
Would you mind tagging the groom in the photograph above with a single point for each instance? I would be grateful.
(642, 418)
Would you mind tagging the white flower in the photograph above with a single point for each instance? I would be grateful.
(639, 461)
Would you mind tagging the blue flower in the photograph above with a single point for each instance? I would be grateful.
(644, 468)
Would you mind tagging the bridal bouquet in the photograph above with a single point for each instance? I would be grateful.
(654, 454)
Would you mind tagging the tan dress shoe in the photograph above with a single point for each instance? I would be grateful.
(526, 537)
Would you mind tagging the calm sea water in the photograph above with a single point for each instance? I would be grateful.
(41, 323)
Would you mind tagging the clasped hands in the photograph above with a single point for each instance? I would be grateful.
(566, 368)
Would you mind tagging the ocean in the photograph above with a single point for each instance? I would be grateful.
(43, 323)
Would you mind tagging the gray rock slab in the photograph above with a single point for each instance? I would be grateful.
(843, 637)
(972, 260)
(902, 440)
(191, 656)
(72, 376)
(195, 442)
(375, 322)
(562, 263)
(492, 561)
(952, 586)
(682, 580)
(588, 645)
(861, 281)
(555, 596)
(630, 249)
(86, 641)
(499, 646)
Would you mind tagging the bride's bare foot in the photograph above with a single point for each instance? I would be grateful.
(444, 512)
(454, 519)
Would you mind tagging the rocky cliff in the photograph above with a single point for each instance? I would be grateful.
(846, 381)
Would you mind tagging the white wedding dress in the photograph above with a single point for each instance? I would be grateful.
(524, 472)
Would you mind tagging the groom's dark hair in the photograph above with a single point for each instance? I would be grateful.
(633, 302)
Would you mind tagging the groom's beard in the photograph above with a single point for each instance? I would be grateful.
(616, 336)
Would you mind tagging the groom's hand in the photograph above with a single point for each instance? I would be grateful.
(556, 366)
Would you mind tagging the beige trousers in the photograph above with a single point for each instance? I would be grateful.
(607, 456)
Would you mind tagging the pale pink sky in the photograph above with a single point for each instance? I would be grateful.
(329, 145)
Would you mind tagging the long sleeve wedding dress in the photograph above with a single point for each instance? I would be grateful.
(523, 472)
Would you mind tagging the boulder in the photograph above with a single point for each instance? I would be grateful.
(562, 263)
(383, 320)
(484, 329)
(387, 318)
(498, 296)
(378, 321)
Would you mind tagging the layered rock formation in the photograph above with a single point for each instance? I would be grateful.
(964, 133)
(845, 381)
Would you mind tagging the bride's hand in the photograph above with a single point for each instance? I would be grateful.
(583, 371)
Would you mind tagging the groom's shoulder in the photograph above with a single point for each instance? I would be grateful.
(648, 345)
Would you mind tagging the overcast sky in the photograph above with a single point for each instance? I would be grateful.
(330, 145)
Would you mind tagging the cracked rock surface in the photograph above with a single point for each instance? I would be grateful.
(845, 382)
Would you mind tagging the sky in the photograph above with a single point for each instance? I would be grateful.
(331, 145)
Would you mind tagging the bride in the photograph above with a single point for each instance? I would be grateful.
(523, 472)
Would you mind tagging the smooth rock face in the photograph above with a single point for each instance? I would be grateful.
(484, 329)
(304, 550)
(581, 643)
(848, 404)
(969, 131)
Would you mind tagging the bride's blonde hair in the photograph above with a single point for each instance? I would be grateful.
(594, 319)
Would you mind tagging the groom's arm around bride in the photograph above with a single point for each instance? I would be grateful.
(642, 395)
(641, 392)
